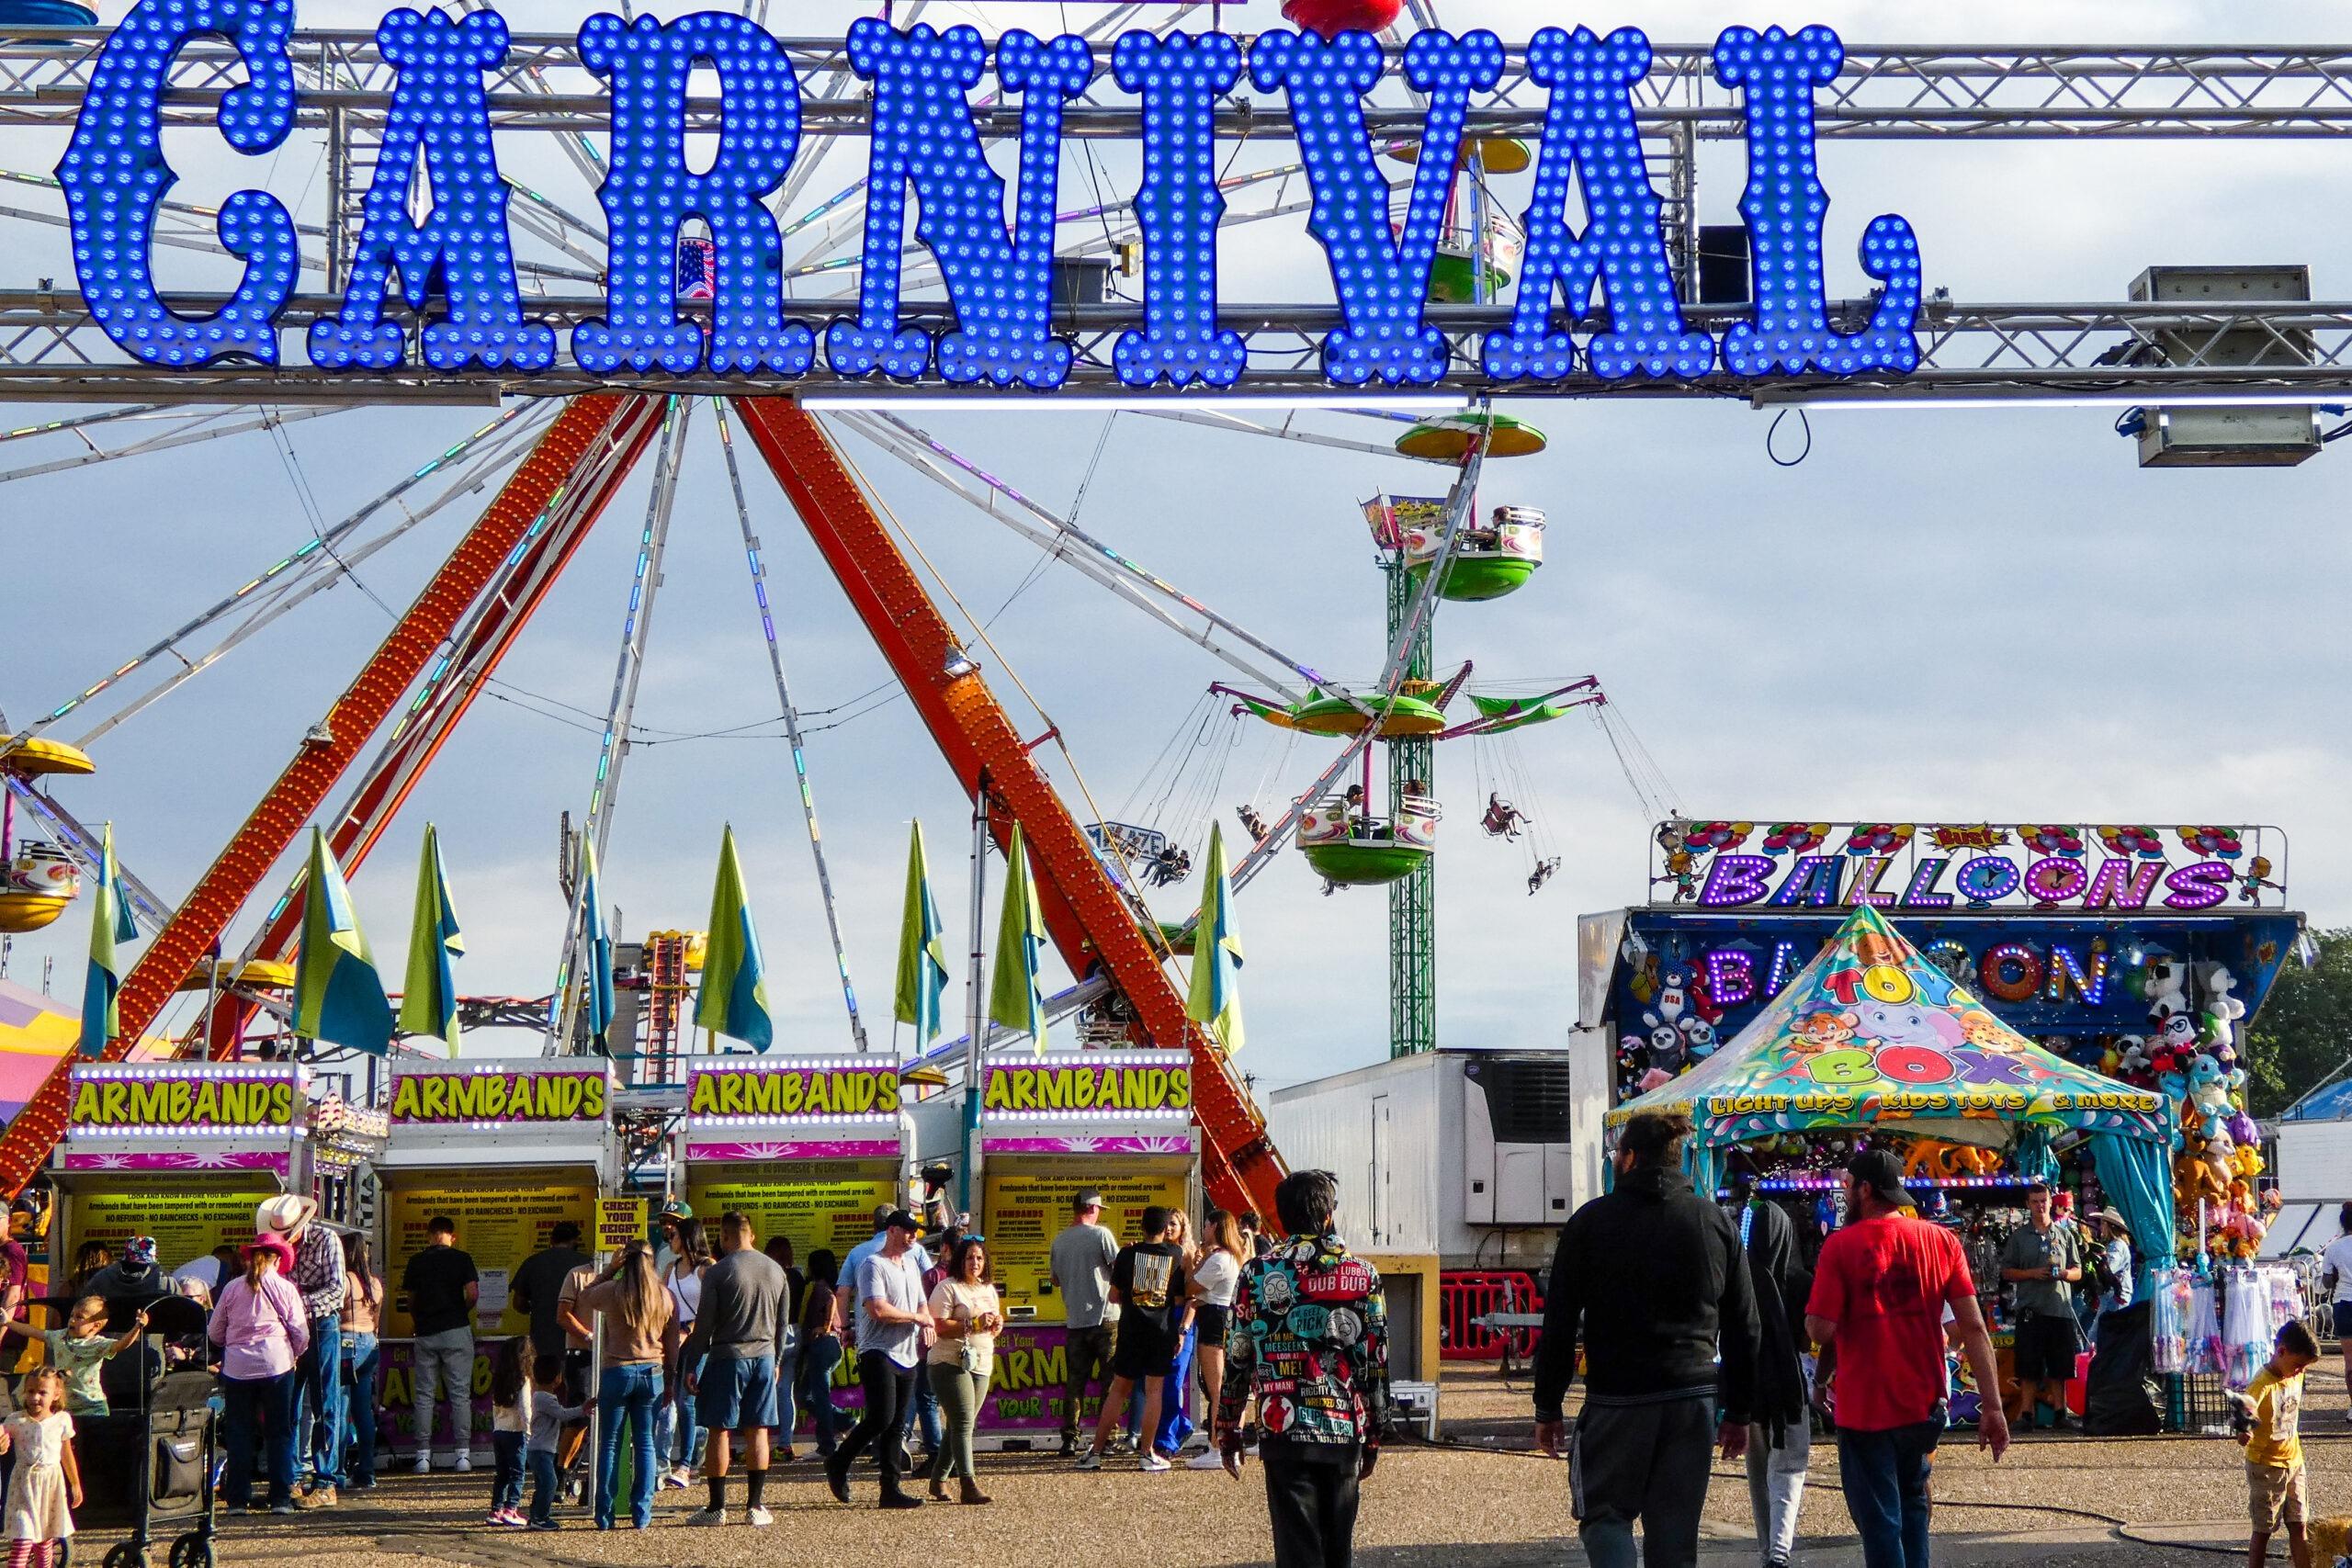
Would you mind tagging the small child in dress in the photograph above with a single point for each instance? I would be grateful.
(47, 1486)
(549, 1414)
(2269, 1416)
(510, 1424)
(80, 1350)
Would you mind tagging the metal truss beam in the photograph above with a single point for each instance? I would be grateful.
(50, 350)
(2001, 91)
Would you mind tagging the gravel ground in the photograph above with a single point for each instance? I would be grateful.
(1478, 1500)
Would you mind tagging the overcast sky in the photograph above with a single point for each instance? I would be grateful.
(1936, 615)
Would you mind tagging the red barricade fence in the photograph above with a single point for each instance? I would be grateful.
(1464, 1294)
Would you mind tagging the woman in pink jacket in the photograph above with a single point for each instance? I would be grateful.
(262, 1331)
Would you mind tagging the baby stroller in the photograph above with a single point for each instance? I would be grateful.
(148, 1467)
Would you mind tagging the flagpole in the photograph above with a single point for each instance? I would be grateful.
(979, 1005)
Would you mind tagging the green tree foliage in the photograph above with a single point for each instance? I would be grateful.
(2303, 1031)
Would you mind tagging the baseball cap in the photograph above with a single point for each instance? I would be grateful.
(677, 1208)
(1878, 1171)
(899, 1220)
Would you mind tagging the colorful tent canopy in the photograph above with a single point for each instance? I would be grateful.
(1871, 1034)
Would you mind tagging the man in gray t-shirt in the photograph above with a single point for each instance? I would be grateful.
(891, 1317)
(1083, 1257)
(728, 1364)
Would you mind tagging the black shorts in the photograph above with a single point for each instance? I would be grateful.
(1143, 1353)
(2045, 1349)
(2343, 1320)
(1210, 1322)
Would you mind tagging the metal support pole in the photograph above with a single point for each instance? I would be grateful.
(791, 723)
(977, 1005)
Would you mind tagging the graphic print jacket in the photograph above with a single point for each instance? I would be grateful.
(1309, 1335)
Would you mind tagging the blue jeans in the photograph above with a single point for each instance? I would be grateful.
(320, 1424)
(541, 1463)
(361, 1361)
(787, 1366)
(925, 1406)
(627, 1394)
(1885, 1479)
(257, 1409)
(689, 1430)
(814, 1373)
(506, 1482)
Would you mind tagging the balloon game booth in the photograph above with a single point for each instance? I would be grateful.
(1118, 1121)
(507, 1149)
(806, 1146)
(1871, 1043)
(184, 1152)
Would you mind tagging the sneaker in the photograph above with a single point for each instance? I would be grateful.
(465, 1462)
(1070, 1448)
(708, 1516)
(677, 1478)
(758, 1517)
(322, 1497)
(1153, 1462)
(286, 1508)
(424, 1465)
(514, 1519)
(546, 1525)
(1090, 1460)
(902, 1500)
(1212, 1459)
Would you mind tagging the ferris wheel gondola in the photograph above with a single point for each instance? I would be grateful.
(38, 878)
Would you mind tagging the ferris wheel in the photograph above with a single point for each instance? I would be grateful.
(558, 460)
(557, 464)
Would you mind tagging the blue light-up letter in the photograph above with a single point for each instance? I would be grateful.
(114, 174)
(1590, 139)
(438, 111)
(650, 193)
(1784, 204)
(1001, 283)
(1383, 283)
(1178, 206)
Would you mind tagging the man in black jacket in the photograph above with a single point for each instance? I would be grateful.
(1652, 1272)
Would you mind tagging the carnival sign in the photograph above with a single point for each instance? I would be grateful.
(1596, 260)
(185, 1099)
(1954, 868)
(442, 1099)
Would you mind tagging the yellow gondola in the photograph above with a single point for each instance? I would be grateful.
(1446, 437)
(260, 974)
(33, 756)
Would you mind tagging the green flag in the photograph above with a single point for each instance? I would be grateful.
(429, 1000)
(338, 996)
(110, 923)
(1215, 999)
(922, 949)
(1014, 1000)
(733, 1000)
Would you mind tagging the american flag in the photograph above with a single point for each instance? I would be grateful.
(697, 269)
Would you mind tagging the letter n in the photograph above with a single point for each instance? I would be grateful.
(440, 121)
(649, 193)
(1001, 283)
(1590, 138)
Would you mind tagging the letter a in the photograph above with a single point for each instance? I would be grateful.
(1589, 137)
(439, 116)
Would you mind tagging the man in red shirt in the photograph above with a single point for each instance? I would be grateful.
(1879, 1293)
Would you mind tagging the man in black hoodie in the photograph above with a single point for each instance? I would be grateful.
(1653, 1274)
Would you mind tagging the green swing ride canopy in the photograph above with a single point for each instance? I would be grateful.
(1873, 1033)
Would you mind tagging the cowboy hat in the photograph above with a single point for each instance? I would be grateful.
(272, 1242)
(286, 1214)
